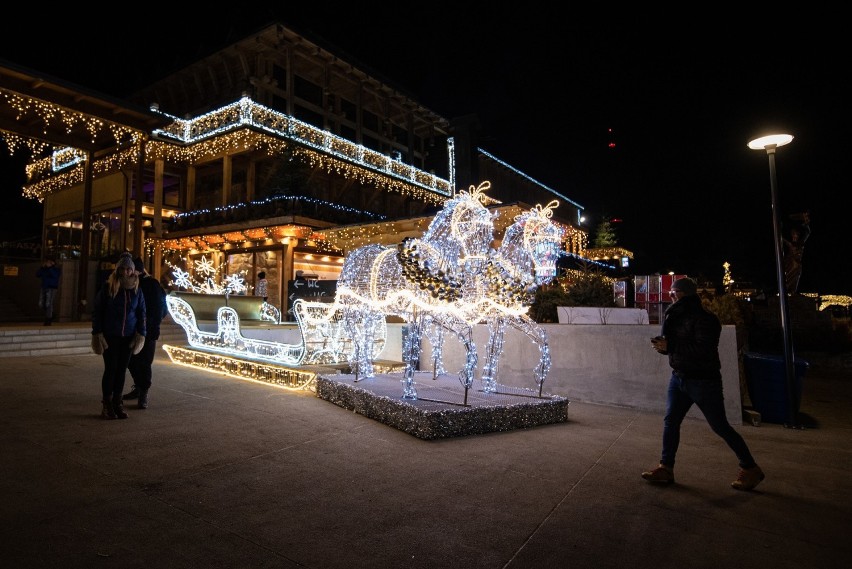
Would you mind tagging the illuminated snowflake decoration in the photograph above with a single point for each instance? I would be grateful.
(208, 283)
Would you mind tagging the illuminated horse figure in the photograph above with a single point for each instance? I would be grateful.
(417, 280)
(525, 260)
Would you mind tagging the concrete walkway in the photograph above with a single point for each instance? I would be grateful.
(220, 472)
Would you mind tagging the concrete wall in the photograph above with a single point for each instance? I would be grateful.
(608, 364)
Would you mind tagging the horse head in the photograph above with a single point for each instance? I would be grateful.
(463, 231)
(543, 240)
(533, 243)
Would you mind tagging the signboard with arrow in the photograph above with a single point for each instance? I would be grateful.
(310, 289)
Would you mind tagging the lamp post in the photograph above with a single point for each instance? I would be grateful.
(770, 143)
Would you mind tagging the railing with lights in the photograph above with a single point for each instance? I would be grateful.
(246, 112)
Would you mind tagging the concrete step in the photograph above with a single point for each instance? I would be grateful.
(65, 339)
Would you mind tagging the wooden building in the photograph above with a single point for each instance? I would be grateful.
(273, 154)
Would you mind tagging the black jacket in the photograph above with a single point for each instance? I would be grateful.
(155, 304)
(692, 335)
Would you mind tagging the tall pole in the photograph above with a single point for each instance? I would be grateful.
(770, 143)
(789, 357)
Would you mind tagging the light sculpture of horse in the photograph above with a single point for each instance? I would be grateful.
(502, 294)
(525, 260)
(417, 280)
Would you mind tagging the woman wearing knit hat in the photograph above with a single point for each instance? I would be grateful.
(690, 338)
(118, 331)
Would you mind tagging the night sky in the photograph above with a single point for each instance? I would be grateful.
(679, 97)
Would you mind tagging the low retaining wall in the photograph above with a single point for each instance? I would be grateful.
(586, 315)
(609, 365)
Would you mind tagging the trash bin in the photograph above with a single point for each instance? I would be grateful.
(766, 380)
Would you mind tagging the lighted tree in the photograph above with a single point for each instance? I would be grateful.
(605, 235)
(727, 279)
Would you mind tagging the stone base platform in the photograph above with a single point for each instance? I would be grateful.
(441, 410)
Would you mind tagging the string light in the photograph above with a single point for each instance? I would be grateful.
(211, 282)
(237, 127)
(448, 280)
(227, 129)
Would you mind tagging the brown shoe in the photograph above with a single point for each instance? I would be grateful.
(748, 478)
(661, 475)
(120, 413)
(107, 412)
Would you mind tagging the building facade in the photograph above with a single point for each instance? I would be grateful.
(271, 155)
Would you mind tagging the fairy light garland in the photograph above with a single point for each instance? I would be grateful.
(238, 127)
(826, 300)
(29, 109)
(74, 175)
(323, 148)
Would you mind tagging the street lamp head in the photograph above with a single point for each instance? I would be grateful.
(770, 141)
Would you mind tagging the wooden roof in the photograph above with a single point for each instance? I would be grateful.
(29, 84)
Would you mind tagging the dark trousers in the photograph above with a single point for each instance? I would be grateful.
(116, 357)
(46, 299)
(140, 365)
(707, 394)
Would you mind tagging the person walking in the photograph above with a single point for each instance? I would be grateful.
(690, 338)
(118, 331)
(49, 273)
(155, 310)
(262, 288)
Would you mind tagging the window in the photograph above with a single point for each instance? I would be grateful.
(347, 132)
(304, 89)
(279, 74)
(400, 135)
(309, 116)
(372, 143)
(370, 120)
(348, 109)
(279, 103)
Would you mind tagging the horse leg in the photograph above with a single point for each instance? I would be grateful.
(435, 333)
(410, 355)
(360, 359)
(466, 375)
(496, 329)
(537, 334)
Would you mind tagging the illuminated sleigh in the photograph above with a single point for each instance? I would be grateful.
(251, 329)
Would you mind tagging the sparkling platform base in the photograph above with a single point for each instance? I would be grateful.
(440, 410)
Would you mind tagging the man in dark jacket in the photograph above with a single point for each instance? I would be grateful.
(691, 341)
(140, 364)
(49, 273)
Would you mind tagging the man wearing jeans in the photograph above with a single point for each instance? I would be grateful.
(691, 340)
(49, 273)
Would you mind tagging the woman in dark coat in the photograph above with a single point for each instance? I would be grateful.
(118, 331)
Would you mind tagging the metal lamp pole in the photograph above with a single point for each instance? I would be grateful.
(770, 143)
